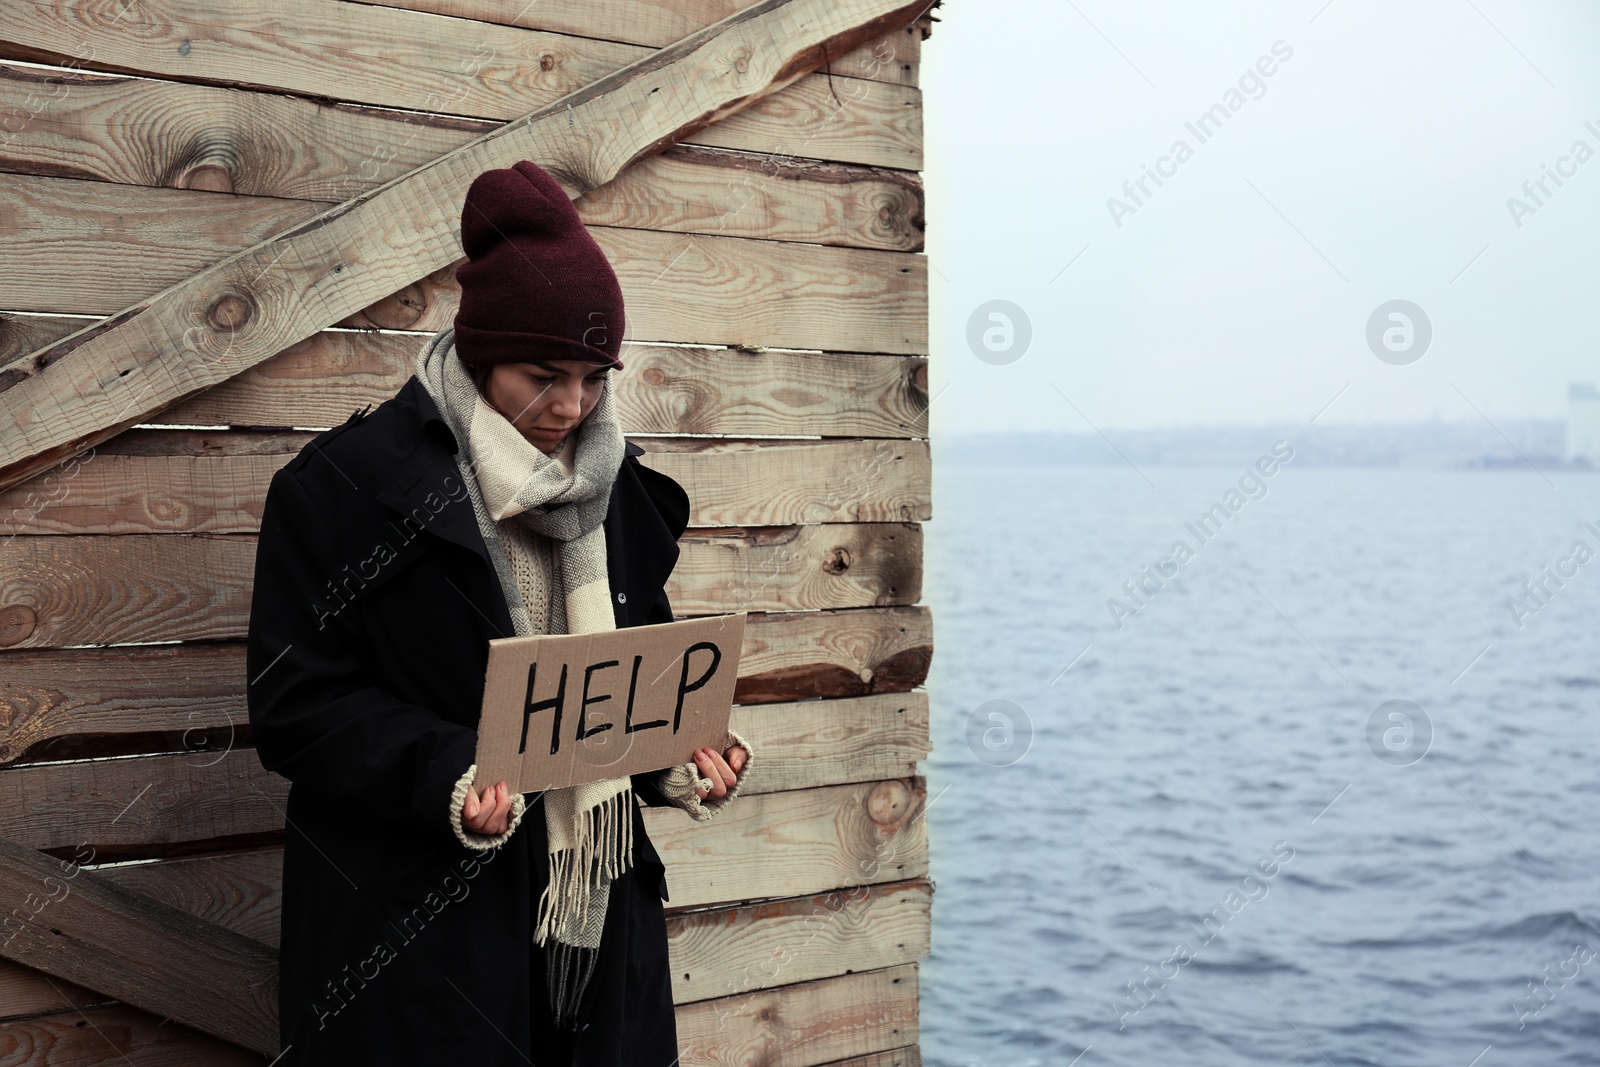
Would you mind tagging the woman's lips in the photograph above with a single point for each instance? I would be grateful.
(550, 435)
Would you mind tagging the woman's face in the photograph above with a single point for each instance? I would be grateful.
(545, 400)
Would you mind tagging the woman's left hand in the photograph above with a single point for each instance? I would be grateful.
(721, 768)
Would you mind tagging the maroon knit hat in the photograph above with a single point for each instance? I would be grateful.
(535, 284)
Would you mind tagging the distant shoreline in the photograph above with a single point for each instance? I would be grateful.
(1512, 445)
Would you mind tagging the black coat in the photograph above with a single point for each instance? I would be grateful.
(373, 607)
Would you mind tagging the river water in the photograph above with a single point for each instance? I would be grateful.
(1323, 798)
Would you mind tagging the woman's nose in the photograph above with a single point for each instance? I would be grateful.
(568, 400)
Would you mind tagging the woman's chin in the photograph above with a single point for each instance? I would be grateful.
(544, 443)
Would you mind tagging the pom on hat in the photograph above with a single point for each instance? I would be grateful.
(535, 284)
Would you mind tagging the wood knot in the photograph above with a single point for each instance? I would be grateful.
(654, 376)
(741, 62)
(17, 622)
(888, 802)
(211, 177)
(547, 62)
(166, 509)
(398, 311)
(839, 562)
(229, 312)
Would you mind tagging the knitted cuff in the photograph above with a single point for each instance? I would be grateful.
(678, 783)
(471, 838)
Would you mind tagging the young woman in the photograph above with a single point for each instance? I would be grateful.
(425, 922)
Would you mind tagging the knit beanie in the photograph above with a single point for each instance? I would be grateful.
(535, 284)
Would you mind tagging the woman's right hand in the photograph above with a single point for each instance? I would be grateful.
(489, 814)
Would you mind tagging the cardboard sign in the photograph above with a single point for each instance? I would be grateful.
(568, 708)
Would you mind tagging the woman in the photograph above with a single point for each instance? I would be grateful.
(425, 922)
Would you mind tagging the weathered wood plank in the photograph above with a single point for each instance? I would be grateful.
(805, 1024)
(794, 568)
(834, 742)
(88, 247)
(408, 58)
(189, 700)
(895, 57)
(252, 305)
(727, 951)
(792, 1026)
(117, 244)
(72, 244)
(810, 124)
(242, 891)
(713, 952)
(109, 590)
(273, 146)
(775, 198)
(115, 1034)
(134, 806)
(195, 481)
(699, 289)
(800, 842)
(804, 744)
(196, 796)
(93, 932)
(228, 140)
(787, 844)
(92, 590)
(665, 389)
(154, 481)
(186, 696)
(194, 694)
(746, 483)
(28, 991)
(21, 334)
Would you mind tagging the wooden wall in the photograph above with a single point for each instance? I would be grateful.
(775, 288)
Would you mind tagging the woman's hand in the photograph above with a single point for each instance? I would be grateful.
(722, 769)
(490, 814)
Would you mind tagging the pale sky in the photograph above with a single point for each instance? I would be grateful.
(1374, 164)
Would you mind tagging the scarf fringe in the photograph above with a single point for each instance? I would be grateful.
(567, 971)
(605, 833)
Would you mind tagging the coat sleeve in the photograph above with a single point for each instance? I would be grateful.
(315, 716)
(672, 504)
(647, 784)
(647, 787)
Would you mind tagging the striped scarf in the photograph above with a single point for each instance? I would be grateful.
(589, 826)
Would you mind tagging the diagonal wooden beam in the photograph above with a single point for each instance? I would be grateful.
(85, 928)
(93, 384)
